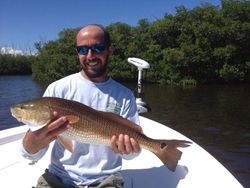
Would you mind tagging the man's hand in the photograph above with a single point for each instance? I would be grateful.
(123, 144)
(34, 141)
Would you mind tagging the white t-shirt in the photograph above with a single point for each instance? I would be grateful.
(88, 163)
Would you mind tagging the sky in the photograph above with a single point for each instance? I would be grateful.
(24, 22)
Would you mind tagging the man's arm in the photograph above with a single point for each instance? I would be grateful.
(34, 143)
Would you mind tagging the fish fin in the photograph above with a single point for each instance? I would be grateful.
(122, 121)
(72, 119)
(66, 143)
(167, 152)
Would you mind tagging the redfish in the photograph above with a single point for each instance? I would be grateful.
(94, 127)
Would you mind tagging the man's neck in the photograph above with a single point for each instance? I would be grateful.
(99, 79)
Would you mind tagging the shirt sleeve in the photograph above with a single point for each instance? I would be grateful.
(33, 157)
(36, 156)
(49, 92)
(130, 156)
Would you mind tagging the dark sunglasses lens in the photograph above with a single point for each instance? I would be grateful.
(82, 50)
(98, 48)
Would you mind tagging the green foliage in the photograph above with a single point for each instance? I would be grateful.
(236, 10)
(15, 64)
(231, 73)
(165, 32)
(56, 59)
(188, 82)
(207, 44)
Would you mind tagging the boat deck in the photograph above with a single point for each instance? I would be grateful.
(197, 168)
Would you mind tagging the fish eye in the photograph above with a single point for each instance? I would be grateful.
(22, 107)
(26, 106)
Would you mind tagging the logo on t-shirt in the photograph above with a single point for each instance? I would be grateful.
(113, 107)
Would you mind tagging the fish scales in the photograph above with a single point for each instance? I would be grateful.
(94, 127)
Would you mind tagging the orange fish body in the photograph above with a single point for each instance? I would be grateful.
(94, 127)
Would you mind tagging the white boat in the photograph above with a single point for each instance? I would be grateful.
(196, 168)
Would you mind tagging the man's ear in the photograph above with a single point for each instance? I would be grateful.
(110, 50)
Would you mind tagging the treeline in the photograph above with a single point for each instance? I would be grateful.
(15, 64)
(207, 44)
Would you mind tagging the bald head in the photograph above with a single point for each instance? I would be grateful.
(94, 32)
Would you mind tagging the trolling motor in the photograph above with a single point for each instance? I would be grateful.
(140, 64)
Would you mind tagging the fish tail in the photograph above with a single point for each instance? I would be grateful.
(167, 152)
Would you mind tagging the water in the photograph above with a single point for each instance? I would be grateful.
(216, 117)
(14, 89)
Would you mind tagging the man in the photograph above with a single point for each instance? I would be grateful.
(88, 165)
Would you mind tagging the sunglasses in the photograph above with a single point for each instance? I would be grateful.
(97, 48)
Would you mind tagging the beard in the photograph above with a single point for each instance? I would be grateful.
(94, 72)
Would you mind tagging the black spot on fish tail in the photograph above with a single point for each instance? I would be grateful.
(163, 145)
(167, 152)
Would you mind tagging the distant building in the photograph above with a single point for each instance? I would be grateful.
(9, 50)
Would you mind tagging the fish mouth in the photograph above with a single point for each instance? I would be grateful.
(18, 118)
(12, 113)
